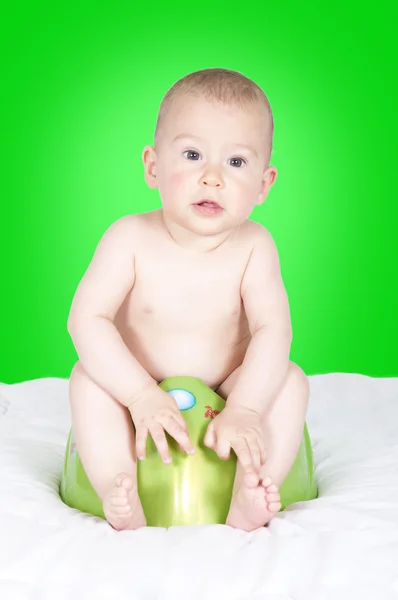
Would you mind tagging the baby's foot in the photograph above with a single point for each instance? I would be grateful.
(121, 505)
(252, 508)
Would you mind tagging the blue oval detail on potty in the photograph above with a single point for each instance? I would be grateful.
(184, 399)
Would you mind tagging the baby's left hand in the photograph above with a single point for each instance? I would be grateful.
(240, 429)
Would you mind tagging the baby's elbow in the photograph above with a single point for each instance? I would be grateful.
(71, 321)
(71, 326)
(75, 322)
(289, 336)
(78, 322)
(286, 334)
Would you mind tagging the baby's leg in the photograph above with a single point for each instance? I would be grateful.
(104, 436)
(253, 505)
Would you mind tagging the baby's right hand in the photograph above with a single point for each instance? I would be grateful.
(154, 412)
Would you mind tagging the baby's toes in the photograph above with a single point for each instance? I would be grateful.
(267, 482)
(120, 506)
(117, 500)
(273, 497)
(123, 481)
(119, 492)
(274, 503)
(270, 487)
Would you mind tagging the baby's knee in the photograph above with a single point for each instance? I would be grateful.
(77, 371)
(298, 379)
(77, 380)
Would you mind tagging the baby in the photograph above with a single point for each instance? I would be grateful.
(193, 288)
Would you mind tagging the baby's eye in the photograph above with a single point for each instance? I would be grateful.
(189, 152)
(238, 158)
(234, 158)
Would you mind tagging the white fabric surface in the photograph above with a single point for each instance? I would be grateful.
(343, 545)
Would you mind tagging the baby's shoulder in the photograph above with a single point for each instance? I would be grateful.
(259, 241)
(254, 232)
(128, 228)
(126, 223)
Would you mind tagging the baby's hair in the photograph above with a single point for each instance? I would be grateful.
(221, 85)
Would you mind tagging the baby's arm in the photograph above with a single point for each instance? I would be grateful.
(266, 362)
(108, 279)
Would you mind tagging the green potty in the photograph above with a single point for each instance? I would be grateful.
(193, 489)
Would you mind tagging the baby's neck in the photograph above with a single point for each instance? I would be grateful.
(191, 241)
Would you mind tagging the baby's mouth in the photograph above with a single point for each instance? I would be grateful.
(208, 203)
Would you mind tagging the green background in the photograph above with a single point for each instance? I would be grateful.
(81, 88)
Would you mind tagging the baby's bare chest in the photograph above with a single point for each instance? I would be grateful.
(186, 295)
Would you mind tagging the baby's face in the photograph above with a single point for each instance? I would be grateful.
(210, 151)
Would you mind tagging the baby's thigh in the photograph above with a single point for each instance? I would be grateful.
(96, 415)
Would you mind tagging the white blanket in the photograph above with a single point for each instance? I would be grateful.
(343, 545)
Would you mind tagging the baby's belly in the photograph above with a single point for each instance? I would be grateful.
(210, 358)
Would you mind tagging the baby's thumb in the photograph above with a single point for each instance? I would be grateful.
(210, 437)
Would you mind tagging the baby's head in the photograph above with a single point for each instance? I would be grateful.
(213, 139)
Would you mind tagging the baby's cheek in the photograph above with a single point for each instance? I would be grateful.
(177, 181)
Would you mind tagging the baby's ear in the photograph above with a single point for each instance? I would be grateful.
(268, 180)
(261, 199)
(149, 160)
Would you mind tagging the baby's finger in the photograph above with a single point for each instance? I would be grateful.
(263, 450)
(255, 453)
(223, 448)
(141, 435)
(210, 439)
(159, 438)
(244, 456)
(174, 429)
(180, 420)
